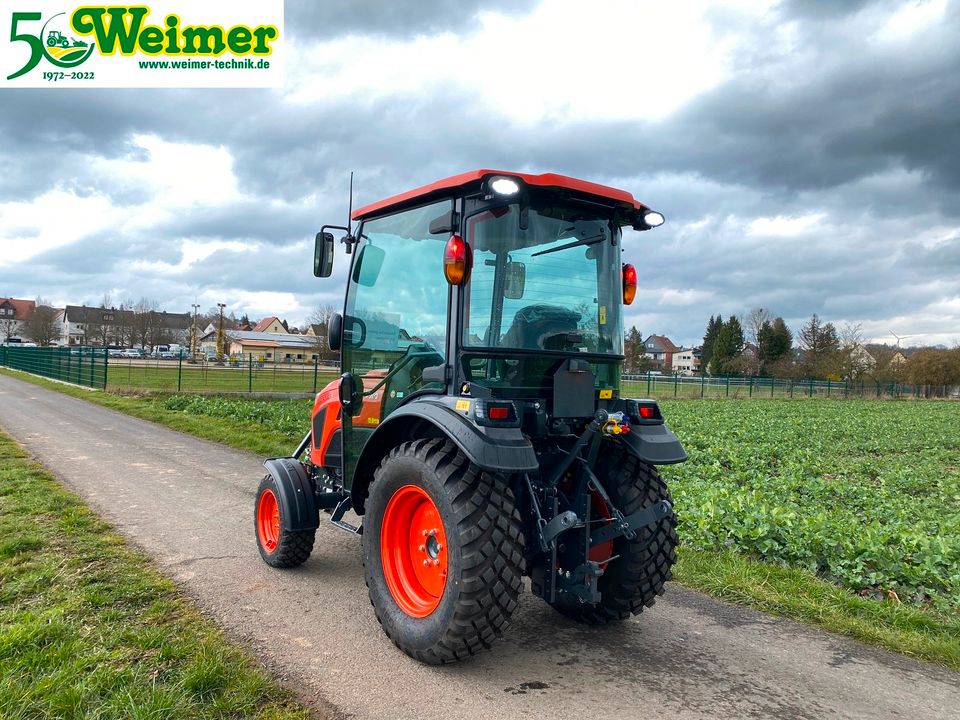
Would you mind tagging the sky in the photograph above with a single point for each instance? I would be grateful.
(806, 155)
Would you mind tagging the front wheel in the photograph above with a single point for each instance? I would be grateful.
(442, 551)
(278, 547)
(640, 567)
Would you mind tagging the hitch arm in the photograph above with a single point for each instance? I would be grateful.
(648, 516)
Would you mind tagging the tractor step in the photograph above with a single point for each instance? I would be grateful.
(337, 517)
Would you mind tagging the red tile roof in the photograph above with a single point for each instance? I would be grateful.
(22, 309)
(264, 324)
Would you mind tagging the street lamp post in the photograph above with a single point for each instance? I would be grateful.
(193, 335)
(221, 337)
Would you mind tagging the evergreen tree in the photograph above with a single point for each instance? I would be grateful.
(633, 350)
(774, 343)
(709, 341)
(821, 348)
(728, 347)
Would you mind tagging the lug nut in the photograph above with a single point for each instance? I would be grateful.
(425, 533)
(426, 562)
(422, 548)
(436, 561)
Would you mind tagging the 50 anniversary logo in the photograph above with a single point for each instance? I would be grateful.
(134, 46)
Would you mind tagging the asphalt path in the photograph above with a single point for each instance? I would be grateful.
(189, 504)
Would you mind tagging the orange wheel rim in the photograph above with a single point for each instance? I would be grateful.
(268, 521)
(599, 511)
(413, 551)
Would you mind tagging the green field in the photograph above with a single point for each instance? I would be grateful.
(170, 375)
(89, 630)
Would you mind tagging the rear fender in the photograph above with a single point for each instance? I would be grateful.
(502, 450)
(298, 505)
(654, 444)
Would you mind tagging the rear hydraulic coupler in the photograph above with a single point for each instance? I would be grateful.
(616, 424)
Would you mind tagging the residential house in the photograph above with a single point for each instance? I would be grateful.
(686, 361)
(82, 325)
(13, 316)
(660, 349)
(267, 347)
(270, 325)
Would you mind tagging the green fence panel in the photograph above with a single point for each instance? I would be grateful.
(85, 366)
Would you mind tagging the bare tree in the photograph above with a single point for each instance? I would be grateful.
(320, 321)
(754, 322)
(8, 328)
(42, 326)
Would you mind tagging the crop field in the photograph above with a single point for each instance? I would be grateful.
(865, 494)
(169, 376)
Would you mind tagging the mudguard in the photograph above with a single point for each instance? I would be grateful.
(654, 444)
(490, 448)
(298, 506)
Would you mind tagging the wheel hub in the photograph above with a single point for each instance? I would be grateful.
(413, 551)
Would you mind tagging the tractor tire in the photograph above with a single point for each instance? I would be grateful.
(279, 548)
(442, 552)
(633, 580)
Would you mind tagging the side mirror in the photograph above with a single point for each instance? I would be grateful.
(515, 279)
(335, 332)
(351, 399)
(323, 255)
(366, 268)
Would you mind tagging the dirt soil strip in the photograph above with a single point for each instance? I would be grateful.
(189, 504)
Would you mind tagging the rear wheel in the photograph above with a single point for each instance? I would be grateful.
(442, 550)
(278, 547)
(642, 566)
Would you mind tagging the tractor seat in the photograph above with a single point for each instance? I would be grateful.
(542, 327)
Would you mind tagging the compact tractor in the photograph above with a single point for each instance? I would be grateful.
(478, 427)
(55, 37)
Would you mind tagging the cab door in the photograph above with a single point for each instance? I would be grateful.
(395, 319)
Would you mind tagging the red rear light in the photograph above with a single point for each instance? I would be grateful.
(629, 283)
(498, 413)
(647, 412)
(456, 260)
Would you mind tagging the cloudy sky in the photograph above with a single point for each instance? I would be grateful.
(806, 154)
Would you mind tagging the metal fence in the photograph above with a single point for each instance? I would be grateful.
(90, 366)
(682, 386)
(78, 365)
(245, 375)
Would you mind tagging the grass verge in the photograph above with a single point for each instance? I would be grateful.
(88, 629)
(792, 593)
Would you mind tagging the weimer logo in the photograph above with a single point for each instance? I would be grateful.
(141, 46)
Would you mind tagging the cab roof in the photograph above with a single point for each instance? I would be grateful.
(463, 181)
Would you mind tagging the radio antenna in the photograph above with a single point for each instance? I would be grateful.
(349, 238)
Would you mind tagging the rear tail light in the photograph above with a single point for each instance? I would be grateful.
(496, 413)
(629, 283)
(644, 412)
(457, 260)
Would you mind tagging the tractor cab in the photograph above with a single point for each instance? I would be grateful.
(480, 401)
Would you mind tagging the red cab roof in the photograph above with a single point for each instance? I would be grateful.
(442, 187)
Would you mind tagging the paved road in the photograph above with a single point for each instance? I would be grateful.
(188, 503)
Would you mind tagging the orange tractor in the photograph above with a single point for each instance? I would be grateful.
(478, 427)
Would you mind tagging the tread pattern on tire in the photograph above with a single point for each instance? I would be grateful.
(489, 527)
(294, 546)
(637, 577)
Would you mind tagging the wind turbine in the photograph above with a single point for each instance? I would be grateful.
(900, 337)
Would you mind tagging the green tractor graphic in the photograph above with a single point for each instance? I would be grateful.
(58, 38)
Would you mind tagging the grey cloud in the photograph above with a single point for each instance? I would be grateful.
(329, 18)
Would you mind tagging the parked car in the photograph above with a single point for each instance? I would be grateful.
(167, 356)
(114, 352)
(132, 353)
